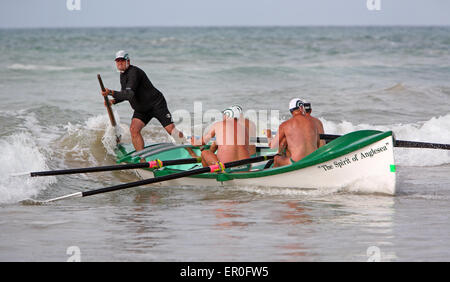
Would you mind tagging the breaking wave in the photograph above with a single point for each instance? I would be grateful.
(435, 130)
(20, 153)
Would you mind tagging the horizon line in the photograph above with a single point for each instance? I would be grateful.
(227, 26)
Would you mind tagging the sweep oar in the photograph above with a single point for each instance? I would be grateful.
(214, 168)
(151, 164)
(112, 119)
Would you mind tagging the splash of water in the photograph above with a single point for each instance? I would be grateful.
(19, 153)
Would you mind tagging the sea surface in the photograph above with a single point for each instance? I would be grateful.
(52, 117)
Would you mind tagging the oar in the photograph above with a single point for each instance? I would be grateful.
(327, 137)
(424, 145)
(397, 143)
(110, 112)
(214, 168)
(152, 164)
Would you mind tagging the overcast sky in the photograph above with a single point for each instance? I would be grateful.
(98, 13)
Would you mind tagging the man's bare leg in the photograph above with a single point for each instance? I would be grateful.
(135, 131)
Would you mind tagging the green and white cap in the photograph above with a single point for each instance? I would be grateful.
(233, 111)
(122, 55)
(237, 108)
(294, 104)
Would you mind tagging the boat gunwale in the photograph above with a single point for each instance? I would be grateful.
(321, 155)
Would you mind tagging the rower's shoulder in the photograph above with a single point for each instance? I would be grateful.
(135, 69)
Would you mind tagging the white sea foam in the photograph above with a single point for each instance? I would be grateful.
(19, 153)
(37, 67)
(435, 130)
(82, 139)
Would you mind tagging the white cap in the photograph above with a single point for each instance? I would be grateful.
(295, 104)
(232, 112)
(122, 55)
(237, 108)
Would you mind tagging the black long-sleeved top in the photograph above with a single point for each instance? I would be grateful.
(138, 90)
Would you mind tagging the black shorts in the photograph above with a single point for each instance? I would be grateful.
(159, 111)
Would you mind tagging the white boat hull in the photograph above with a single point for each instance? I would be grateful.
(370, 169)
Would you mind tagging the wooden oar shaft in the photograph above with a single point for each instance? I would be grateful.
(113, 167)
(108, 106)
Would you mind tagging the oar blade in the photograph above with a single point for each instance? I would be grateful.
(34, 202)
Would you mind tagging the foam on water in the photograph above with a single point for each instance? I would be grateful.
(20, 153)
(82, 140)
(37, 67)
(435, 130)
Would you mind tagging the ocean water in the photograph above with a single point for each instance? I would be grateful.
(52, 117)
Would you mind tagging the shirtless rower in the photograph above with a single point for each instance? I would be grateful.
(298, 136)
(230, 139)
(250, 131)
(317, 122)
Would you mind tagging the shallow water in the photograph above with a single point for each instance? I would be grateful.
(52, 117)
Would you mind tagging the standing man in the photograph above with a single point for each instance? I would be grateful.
(147, 101)
(298, 136)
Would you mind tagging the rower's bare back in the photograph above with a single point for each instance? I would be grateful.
(301, 137)
(231, 140)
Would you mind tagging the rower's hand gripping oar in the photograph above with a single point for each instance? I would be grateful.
(110, 112)
(151, 164)
(214, 168)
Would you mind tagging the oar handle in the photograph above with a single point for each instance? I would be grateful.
(108, 106)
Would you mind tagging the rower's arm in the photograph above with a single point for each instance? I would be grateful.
(210, 134)
(277, 141)
(205, 138)
(130, 88)
(320, 142)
